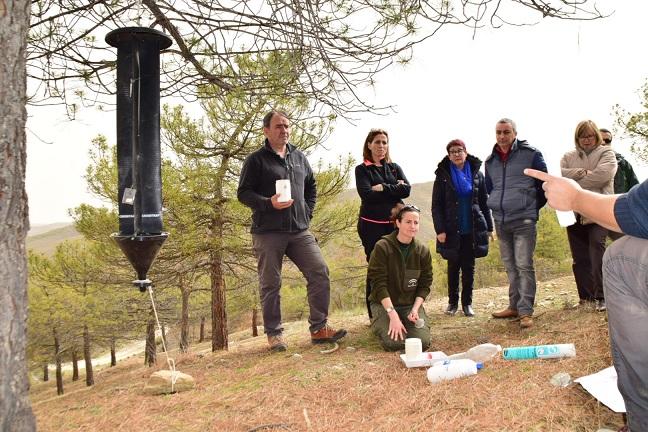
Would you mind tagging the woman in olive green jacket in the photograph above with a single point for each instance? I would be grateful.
(400, 273)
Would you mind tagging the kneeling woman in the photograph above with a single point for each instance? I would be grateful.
(400, 273)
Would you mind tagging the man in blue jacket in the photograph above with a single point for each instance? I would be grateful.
(515, 201)
(625, 280)
(281, 228)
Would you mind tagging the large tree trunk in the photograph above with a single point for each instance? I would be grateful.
(150, 354)
(57, 359)
(15, 410)
(219, 313)
(202, 330)
(113, 352)
(255, 321)
(184, 320)
(45, 372)
(75, 364)
(87, 356)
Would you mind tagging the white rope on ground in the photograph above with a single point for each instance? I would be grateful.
(170, 361)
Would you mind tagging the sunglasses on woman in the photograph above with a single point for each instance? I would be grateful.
(407, 208)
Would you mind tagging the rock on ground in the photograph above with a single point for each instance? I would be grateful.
(160, 382)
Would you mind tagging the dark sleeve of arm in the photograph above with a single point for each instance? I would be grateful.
(438, 206)
(631, 211)
(483, 206)
(310, 188)
(631, 177)
(488, 182)
(377, 272)
(398, 190)
(540, 165)
(363, 185)
(425, 281)
(248, 186)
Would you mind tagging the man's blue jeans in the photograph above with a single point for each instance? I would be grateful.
(625, 282)
(517, 241)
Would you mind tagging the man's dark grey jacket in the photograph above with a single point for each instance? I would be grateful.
(257, 184)
(512, 194)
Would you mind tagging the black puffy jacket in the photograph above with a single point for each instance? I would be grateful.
(445, 210)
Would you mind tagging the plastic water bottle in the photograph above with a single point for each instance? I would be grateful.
(540, 352)
(479, 353)
(451, 369)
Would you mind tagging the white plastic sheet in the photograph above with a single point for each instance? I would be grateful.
(603, 386)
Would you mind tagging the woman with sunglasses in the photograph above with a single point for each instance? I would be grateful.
(381, 185)
(593, 166)
(400, 273)
(462, 221)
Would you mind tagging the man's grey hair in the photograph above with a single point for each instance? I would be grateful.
(509, 121)
(268, 117)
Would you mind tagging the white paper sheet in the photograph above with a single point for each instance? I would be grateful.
(603, 386)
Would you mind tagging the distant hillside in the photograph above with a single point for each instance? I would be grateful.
(421, 197)
(35, 230)
(44, 238)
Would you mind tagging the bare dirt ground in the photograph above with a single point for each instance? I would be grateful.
(359, 387)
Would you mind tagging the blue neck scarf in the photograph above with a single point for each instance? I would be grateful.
(462, 179)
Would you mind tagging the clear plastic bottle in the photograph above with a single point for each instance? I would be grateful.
(451, 369)
(540, 352)
(479, 353)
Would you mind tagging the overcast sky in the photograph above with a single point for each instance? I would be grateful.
(547, 78)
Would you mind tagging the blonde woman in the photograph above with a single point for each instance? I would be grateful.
(593, 166)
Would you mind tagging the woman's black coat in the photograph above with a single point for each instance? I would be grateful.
(445, 210)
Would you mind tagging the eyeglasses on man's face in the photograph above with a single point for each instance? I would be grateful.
(607, 140)
(457, 152)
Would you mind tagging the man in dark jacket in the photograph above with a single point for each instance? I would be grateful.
(515, 201)
(625, 176)
(625, 276)
(280, 227)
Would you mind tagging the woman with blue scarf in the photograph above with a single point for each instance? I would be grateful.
(462, 221)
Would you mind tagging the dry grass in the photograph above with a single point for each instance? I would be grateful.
(365, 389)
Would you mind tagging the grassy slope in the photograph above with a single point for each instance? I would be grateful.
(359, 387)
(45, 238)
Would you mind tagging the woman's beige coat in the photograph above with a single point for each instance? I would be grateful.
(594, 171)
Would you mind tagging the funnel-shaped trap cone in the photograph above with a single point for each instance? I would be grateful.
(140, 250)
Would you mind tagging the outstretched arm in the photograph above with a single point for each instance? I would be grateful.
(565, 194)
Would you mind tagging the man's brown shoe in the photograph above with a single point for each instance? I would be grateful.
(277, 343)
(506, 313)
(327, 335)
(526, 321)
